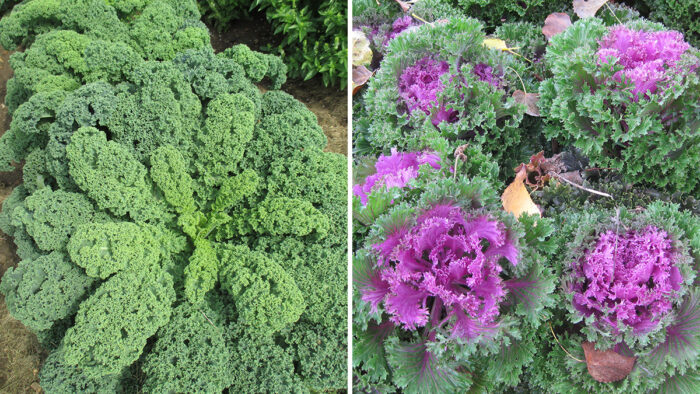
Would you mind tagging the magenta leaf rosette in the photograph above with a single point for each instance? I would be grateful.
(447, 289)
(627, 96)
(395, 170)
(630, 286)
(438, 77)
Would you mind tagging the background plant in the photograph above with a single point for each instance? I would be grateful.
(313, 33)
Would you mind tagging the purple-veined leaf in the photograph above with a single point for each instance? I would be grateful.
(367, 280)
(507, 365)
(466, 327)
(368, 349)
(377, 204)
(688, 383)
(530, 294)
(682, 335)
(416, 370)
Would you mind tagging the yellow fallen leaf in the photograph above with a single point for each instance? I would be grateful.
(496, 43)
(516, 198)
(361, 51)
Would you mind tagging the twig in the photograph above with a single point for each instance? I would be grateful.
(517, 54)
(554, 175)
(521, 80)
(205, 316)
(420, 19)
(612, 12)
(562, 347)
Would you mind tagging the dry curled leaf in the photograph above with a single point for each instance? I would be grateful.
(606, 365)
(530, 100)
(516, 199)
(405, 6)
(555, 24)
(361, 51)
(360, 76)
(587, 8)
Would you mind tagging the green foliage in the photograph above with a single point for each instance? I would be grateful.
(58, 377)
(50, 217)
(42, 291)
(589, 109)
(190, 355)
(103, 249)
(158, 192)
(495, 12)
(267, 298)
(678, 15)
(487, 116)
(313, 34)
(112, 326)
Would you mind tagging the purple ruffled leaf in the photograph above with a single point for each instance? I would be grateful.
(648, 58)
(396, 170)
(629, 279)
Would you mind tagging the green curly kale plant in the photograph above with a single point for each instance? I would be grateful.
(173, 220)
(640, 117)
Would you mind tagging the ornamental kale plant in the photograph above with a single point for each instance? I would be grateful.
(630, 285)
(448, 288)
(178, 229)
(627, 96)
(394, 171)
(441, 77)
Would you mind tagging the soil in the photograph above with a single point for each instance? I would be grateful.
(330, 104)
(20, 353)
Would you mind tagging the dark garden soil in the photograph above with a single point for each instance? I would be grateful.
(328, 103)
(20, 353)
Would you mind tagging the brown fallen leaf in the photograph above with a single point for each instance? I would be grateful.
(516, 199)
(555, 24)
(587, 8)
(530, 100)
(606, 365)
(360, 76)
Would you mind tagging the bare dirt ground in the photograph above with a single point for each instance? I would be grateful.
(330, 104)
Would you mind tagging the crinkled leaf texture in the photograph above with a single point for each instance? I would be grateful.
(171, 214)
(407, 98)
(417, 370)
(628, 97)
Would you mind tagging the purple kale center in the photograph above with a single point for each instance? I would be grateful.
(420, 84)
(399, 26)
(649, 58)
(443, 268)
(629, 279)
(395, 170)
